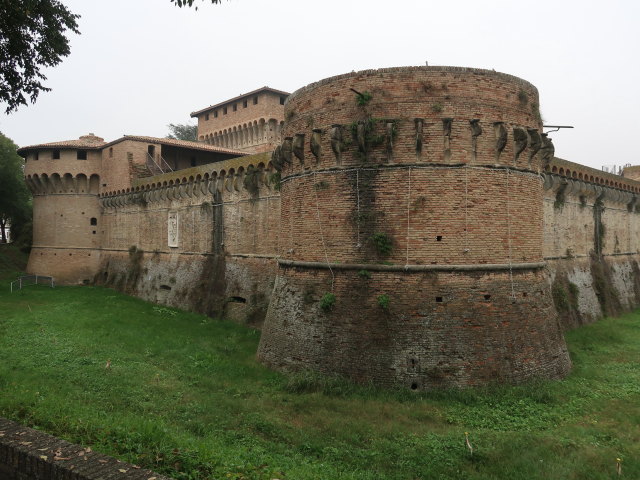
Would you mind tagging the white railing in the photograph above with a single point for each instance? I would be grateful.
(157, 167)
(27, 280)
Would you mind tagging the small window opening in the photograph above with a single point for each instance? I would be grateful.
(110, 152)
(438, 299)
(56, 154)
(206, 116)
(224, 110)
(237, 300)
(82, 155)
(215, 114)
(94, 221)
(94, 232)
(438, 238)
(235, 107)
(193, 161)
(165, 287)
(282, 99)
(487, 297)
(244, 104)
(255, 100)
(524, 294)
(104, 184)
(36, 156)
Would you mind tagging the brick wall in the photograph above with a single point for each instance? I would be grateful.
(227, 223)
(441, 166)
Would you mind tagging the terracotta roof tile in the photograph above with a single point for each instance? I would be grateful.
(88, 142)
(235, 99)
(178, 143)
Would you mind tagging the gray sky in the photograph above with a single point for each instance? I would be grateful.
(142, 64)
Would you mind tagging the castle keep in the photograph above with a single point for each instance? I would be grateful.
(406, 226)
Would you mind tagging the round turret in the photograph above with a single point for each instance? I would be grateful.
(411, 231)
(64, 178)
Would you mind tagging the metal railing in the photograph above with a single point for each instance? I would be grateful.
(158, 167)
(27, 280)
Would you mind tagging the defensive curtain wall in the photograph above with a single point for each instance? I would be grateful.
(418, 233)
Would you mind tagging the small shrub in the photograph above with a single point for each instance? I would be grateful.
(523, 98)
(437, 107)
(363, 98)
(383, 301)
(321, 185)
(275, 180)
(382, 242)
(364, 274)
(327, 302)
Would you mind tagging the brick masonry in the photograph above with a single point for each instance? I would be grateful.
(429, 204)
(27, 454)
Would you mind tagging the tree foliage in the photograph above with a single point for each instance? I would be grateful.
(15, 199)
(186, 131)
(32, 37)
(189, 3)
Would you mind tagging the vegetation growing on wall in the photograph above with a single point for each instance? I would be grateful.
(134, 268)
(327, 302)
(565, 298)
(608, 296)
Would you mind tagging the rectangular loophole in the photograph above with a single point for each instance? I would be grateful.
(438, 299)
(438, 238)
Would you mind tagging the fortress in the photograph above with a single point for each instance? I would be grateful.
(406, 226)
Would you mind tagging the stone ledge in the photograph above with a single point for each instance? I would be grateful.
(27, 454)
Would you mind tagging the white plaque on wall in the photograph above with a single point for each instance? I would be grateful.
(172, 225)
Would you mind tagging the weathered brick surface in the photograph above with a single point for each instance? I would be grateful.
(27, 454)
(455, 203)
(443, 165)
(243, 124)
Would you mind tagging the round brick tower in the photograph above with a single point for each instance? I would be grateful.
(411, 231)
(64, 178)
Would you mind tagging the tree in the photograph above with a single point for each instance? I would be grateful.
(185, 131)
(15, 199)
(189, 3)
(32, 37)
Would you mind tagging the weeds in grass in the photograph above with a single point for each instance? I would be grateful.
(186, 397)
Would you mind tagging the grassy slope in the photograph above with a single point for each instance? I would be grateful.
(184, 395)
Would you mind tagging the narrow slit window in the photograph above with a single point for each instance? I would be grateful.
(94, 221)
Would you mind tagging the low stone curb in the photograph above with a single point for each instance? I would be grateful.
(27, 454)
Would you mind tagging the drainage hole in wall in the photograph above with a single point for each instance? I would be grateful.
(165, 287)
(414, 386)
(237, 300)
(524, 294)
(487, 297)
(438, 238)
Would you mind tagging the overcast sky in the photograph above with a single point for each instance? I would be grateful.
(142, 64)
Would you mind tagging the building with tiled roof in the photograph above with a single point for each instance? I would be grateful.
(251, 122)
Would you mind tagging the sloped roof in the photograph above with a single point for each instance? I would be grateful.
(86, 142)
(235, 99)
(177, 143)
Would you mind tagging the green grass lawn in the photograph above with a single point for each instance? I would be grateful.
(185, 396)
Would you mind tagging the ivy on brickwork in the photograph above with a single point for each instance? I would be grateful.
(383, 301)
(382, 242)
(327, 302)
(362, 99)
